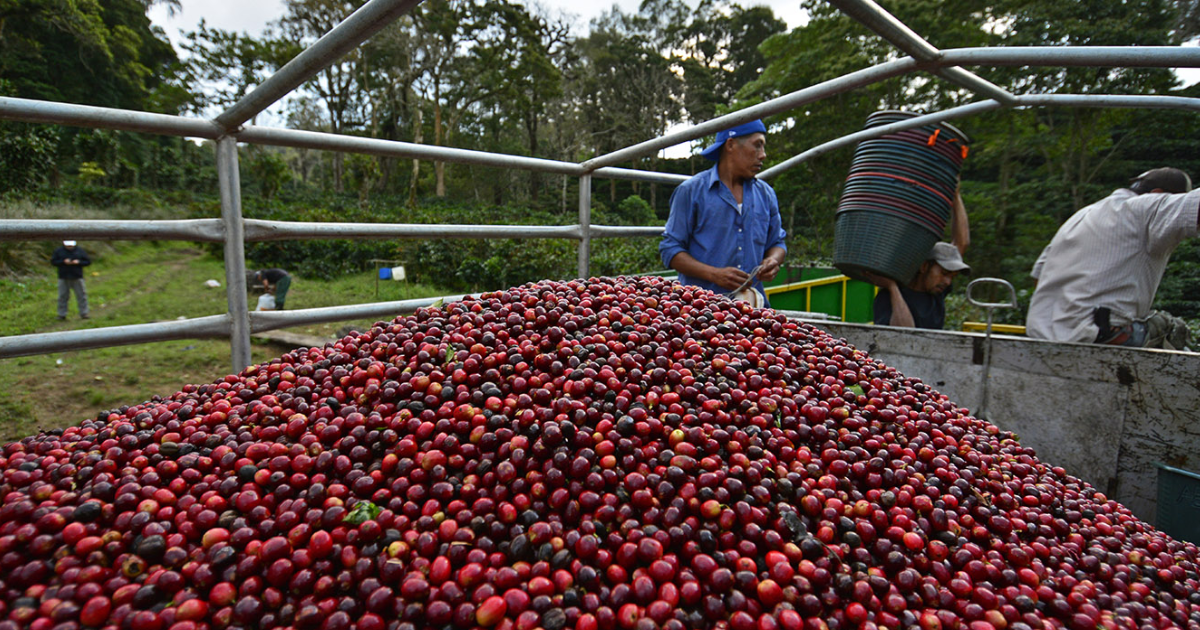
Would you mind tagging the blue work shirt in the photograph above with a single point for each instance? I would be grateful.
(705, 223)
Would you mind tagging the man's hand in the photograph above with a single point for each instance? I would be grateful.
(769, 269)
(729, 278)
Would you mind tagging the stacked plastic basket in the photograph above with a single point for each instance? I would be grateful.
(898, 198)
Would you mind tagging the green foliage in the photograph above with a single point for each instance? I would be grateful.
(624, 256)
(632, 210)
(472, 265)
(26, 156)
(90, 173)
(497, 76)
(269, 170)
(721, 53)
(1179, 293)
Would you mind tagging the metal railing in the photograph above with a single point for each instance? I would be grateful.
(228, 129)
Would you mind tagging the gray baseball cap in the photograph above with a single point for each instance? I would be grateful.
(948, 257)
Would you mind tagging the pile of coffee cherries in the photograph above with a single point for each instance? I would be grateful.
(615, 453)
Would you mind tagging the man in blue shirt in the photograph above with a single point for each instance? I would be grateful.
(724, 222)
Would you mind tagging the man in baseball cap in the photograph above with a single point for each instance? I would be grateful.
(725, 223)
(70, 260)
(922, 302)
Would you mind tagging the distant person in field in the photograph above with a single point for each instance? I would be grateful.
(922, 302)
(273, 281)
(725, 222)
(70, 260)
(1097, 278)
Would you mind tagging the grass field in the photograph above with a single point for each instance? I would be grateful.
(135, 283)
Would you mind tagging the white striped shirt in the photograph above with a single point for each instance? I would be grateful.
(1110, 254)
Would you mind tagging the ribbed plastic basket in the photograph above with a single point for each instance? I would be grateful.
(896, 250)
(897, 198)
(1178, 513)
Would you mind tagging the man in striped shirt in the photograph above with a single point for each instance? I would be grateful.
(1097, 278)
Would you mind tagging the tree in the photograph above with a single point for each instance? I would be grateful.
(518, 51)
(1187, 25)
(453, 78)
(225, 65)
(338, 85)
(628, 91)
(390, 69)
(721, 53)
(93, 53)
(269, 170)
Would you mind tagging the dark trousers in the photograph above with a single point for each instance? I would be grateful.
(281, 289)
(65, 287)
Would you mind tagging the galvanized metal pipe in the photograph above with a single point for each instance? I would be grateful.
(611, 172)
(202, 230)
(876, 132)
(621, 231)
(978, 85)
(211, 327)
(32, 111)
(1148, 101)
(230, 182)
(886, 25)
(844, 83)
(1033, 100)
(259, 231)
(346, 36)
(1086, 56)
(274, 136)
(585, 223)
(261, 321)
(389, 148)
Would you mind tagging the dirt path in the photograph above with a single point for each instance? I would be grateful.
(43, 393)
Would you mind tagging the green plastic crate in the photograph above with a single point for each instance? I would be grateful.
(1178, 513)
(860, 296)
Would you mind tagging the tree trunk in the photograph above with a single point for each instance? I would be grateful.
(1006, 169)
(418, 138)
(439, 166)
(531, 128)
(339, 161)
(564, 195)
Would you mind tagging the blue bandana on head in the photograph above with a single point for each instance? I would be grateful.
(713, 152)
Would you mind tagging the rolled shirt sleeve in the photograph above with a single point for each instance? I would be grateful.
(1170, 219)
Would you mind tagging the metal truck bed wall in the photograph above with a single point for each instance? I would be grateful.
(1106, 415)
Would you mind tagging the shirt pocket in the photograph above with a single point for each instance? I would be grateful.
(758, 223)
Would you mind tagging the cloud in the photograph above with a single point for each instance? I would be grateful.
(230, 15)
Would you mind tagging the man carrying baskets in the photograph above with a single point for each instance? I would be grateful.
(922, 302)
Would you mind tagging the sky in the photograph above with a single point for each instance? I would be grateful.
(252, 16)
